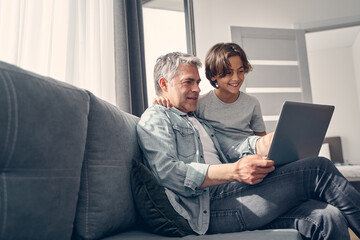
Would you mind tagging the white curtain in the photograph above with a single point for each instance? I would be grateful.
(69, 40)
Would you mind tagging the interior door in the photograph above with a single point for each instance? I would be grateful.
(280, 68)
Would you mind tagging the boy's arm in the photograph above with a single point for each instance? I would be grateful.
(261, 134)
(263, 144)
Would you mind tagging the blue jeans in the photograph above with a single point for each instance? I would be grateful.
(309, 195)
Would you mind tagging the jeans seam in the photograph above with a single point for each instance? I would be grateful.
(306, 218)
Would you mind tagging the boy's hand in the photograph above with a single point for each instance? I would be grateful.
(162, 101)
(263, 144)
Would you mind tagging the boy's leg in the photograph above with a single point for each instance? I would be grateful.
(238, 206)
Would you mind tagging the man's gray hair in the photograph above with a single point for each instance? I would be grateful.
(167, 67)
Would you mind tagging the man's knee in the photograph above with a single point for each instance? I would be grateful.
(319, 163)
(326, 222)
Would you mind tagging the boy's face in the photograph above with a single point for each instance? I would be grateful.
(183, 91)
(230, 84)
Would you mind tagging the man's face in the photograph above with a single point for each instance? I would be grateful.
(183, 91)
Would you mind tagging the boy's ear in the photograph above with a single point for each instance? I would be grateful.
(213, 79)
(163, 84)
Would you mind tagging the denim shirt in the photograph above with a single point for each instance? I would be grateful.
(173, 151)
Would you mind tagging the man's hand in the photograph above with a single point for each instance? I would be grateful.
(163, 101)
(263, 144)
(252, 169)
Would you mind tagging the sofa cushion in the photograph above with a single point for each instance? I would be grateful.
(154, 206)
(43, 126)
(105, 202)
(276, 234)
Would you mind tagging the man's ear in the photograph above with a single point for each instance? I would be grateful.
(163, 84)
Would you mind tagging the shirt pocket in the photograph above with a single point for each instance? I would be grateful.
(185, 141)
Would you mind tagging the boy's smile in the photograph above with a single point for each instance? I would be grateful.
(229, 85)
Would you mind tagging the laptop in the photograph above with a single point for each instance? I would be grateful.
(300, 131)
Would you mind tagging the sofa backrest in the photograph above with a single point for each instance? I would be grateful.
(106, 205)
(43, 128)
(65, 160)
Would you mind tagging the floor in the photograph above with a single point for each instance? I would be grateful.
(352, 235)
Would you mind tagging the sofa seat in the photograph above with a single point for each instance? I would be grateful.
(350, 171)
(281, 234)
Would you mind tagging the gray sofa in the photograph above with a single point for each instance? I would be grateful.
(65, 161)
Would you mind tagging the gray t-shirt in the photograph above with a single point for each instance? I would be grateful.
(233, 122)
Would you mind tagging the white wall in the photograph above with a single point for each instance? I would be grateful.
(356, 57)
(213, 19)
(333, 82)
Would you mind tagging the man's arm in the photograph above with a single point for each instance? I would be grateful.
(251, 169)
(158, 142)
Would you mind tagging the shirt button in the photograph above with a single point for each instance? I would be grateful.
(205, 212)
(201, 156)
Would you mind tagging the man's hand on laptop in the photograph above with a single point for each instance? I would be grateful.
(263, 144)
(252, 169)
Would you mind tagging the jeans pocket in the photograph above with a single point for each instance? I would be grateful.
(226, 221)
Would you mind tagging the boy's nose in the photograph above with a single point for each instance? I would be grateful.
(235, 76)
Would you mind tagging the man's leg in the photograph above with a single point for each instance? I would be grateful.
(314, 220)
(238, 206)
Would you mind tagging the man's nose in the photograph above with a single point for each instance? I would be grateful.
(196, 88)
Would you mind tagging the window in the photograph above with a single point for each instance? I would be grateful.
(165, 30)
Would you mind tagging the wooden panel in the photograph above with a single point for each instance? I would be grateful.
(271, 103)
(273, 76)
(270, 49)
(266, 43)
(335, 147)
(280, 68)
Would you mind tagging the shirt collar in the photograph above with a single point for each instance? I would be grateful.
(177, 111)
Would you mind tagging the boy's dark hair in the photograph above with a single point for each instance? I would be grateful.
(217, 60)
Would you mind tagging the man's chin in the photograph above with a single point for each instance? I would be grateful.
(192, 107)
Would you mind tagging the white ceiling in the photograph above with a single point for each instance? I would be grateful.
(337, 38)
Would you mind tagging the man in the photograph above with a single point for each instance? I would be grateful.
(217, 196)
